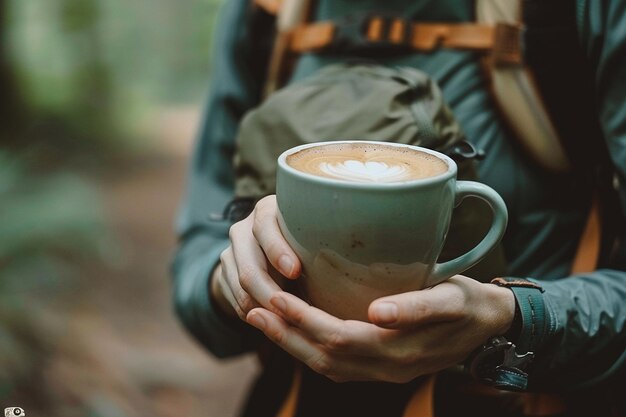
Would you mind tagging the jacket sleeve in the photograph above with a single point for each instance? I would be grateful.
(210, 187)
(577, 325)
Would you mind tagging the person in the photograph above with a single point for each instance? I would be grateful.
(228, 277)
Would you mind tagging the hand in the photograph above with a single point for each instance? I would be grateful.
(254, 264)
(410, 334)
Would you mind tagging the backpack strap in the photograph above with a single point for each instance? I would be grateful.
(422, 403)
(290, 404)
(517, 96)
(588, 252)
(290, 14)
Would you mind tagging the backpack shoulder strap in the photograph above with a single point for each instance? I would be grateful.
(549, 102)
(563, 74)
(515, 91)
(289, 15)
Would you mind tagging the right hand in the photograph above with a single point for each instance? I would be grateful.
(255, 264)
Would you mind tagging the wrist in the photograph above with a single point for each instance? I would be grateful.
(504, 304)
(534, 322)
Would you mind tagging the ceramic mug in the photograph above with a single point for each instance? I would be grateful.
(359, 241)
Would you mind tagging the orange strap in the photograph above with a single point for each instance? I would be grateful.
(312, 37)
(422, 403)
(422, 36)
(502, 40)
(588, 250)
(288, 409)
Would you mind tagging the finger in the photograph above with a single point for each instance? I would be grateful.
(444, 302)
(336, 335)
(239, 299)
(252, 274)
(221, 294)
(267, 232)
(289, 339)
(339, 368)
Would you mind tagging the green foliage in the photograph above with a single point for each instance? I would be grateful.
(47, 221)
(50, 222)
(102, 66)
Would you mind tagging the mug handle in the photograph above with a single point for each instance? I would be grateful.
(464, 189)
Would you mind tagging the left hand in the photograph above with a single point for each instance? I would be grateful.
(410, 334)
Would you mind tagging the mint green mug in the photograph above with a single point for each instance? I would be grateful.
(362, 231)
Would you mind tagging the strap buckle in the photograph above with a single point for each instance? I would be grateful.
(463, 151)
(498, 364)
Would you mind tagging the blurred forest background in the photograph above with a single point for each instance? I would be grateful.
(99, 104)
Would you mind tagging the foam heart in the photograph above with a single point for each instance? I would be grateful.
(371, 171)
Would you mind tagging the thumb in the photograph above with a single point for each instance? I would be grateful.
(444, 302)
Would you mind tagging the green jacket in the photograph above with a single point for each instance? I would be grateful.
(585, 322)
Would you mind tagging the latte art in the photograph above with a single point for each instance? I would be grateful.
(367, 162)
(366, 171)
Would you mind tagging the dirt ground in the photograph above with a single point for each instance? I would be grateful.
(130, 355)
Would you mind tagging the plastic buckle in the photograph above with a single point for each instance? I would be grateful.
(463, 151)
(351, 33)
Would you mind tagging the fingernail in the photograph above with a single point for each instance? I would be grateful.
(279, 303)
(286, 265)
(387, 312)
(257, 321)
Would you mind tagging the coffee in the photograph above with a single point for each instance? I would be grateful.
(367, 162)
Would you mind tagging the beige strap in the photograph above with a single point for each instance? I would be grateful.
(291, 14)
(515, 92)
